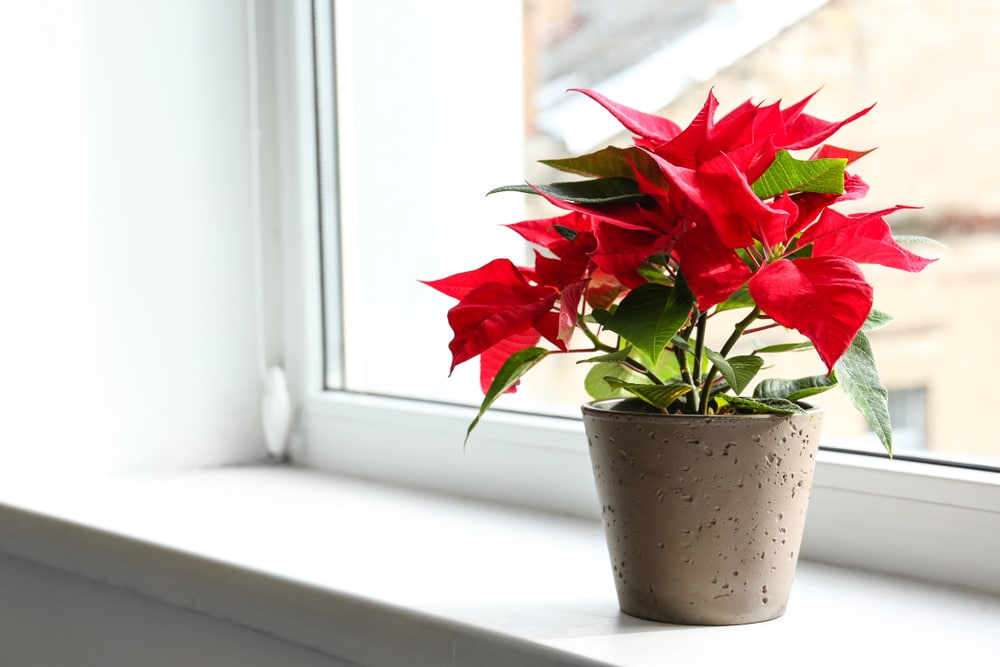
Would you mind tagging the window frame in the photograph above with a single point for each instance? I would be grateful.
(911, 518)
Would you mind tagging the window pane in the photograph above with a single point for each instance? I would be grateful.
(432, 132)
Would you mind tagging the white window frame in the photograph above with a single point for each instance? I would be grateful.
(935, 522)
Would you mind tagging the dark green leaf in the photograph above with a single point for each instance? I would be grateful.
(606, 163)
(657, 395)
(682, 344)
(789, 174)
(858, 375)
(763, 405)
(517, 365)
(596, 191)
(567, 233)
(738, 371)
(794, 390)
(601, 316)
(651, 315)
(610, 162)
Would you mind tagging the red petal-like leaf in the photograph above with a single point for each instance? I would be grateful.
(826, 299)
(548, 326)
(569, 307)
(603, 289)
(730, 132)
(792, 113)
(682, 150)
(571, 265)
(621, 250)
(500, 271)
(545, 232)
(828, 151)
(492, 312)
(769, 123)
(810, 204)
(805, 131)
(712, 270)
(647, 126)
(865, 238)
(773, 236)
(738, 215)
(492, 359)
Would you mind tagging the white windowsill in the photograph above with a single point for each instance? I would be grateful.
(377, 575)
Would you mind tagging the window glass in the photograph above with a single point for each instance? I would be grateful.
(425, 133)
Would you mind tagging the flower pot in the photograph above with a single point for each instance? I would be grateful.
(703, 514)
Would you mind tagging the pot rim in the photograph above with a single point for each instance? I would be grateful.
(605, 406)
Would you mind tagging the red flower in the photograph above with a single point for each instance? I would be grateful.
(673, 227)
(496, 303)
(825, 297)
(705, 138)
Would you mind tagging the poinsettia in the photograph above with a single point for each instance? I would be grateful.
(660, 236)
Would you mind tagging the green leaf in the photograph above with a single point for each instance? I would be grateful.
(794, 390)
(779, 406)
(784, 347)
(608, 162)
(876, 319)
(739, 299)
(596, 191)
(858, 375)
(657, 395)
(738, 371)
(682, 344)
(599, 388)
(615, 357)
(567, 233)
(787, 173)
(516, 365)
(651, 315)
(667, 367)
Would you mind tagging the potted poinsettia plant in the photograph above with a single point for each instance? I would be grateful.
(657, 240)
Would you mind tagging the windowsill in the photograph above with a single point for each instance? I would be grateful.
(378, 575)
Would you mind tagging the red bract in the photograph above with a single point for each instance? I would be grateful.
(863, 237)
(705, 138)
(804, 294)
(496, 303)
(825, 298)
(712, 269)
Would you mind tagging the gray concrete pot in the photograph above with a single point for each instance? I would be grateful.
(703, 515)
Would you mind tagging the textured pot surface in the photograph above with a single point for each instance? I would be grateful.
(703, 515)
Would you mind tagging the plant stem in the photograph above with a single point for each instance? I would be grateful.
(763, 328)
(701, 321)
(685, 372)
(738, 331)
(592, 337)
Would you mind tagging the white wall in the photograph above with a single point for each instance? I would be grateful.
(126, 260)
